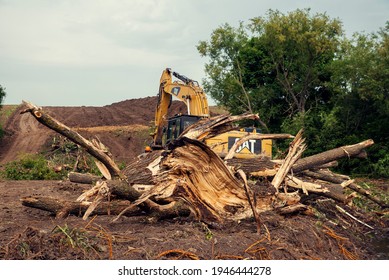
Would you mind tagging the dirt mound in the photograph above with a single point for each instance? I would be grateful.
(119, 126)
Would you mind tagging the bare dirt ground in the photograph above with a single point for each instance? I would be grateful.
(26, 233)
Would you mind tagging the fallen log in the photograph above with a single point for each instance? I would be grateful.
(334, 179)
(315, 188)
(83, 178)
(292, 209)
(296, 148)
(61, 208)
(50, 122)
(328, 156)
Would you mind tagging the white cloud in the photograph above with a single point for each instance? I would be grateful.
(82, 33)
(75, 51)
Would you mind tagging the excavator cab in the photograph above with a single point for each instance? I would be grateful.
(177, 124)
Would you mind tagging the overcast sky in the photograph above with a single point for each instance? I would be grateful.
(95, 52)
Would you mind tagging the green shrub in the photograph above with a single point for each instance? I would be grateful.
(381, 168)
(30, 167)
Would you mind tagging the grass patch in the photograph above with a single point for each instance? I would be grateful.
(377, 187)
(30, 167)
(5, 112)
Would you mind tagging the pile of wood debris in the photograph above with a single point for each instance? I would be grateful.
(188, 178)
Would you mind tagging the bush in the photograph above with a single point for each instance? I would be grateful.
(30, 167)
(381, 168)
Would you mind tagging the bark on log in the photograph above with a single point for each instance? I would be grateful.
(64, 130)
(83, 178)
(252, 165)
(331, 155)
(316, 188)
(142, 170)
(62, 209)
(329, 178)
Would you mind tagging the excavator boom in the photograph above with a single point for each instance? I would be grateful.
(186, 90)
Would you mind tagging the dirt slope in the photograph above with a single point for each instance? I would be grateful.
(116, 125)
(23, 134)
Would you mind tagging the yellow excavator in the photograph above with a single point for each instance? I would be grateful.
(190, 92)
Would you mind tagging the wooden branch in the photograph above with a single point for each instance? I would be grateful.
(62, 209)
(296, 148)
(83, 178)
(340, 209)
(64, 130)
(331, 155)
(231, 152)
(305, 186)
(292, 209)
(251, 201)
(252, 165)
(333, 179)
(208, 128)
(319, 189)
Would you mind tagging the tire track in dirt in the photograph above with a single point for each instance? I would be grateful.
(25, 135)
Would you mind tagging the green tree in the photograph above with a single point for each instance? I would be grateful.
(361, 106)
(276, 65)
(297, 70)
(2, 96)
(224, 70)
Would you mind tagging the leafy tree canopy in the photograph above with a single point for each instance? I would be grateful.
(276, 65)
(298, 70)
(2, 95)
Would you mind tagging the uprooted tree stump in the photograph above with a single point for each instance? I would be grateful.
(189, 178)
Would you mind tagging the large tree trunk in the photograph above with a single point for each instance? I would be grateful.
(83, 178)
(331, 155)
(61, 208)
(195, 174)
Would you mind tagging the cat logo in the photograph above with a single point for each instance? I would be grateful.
(176, 90)
(250, 146)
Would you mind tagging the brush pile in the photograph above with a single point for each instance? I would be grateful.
(189, 179)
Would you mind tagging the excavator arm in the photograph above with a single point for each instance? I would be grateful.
(186, 90)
